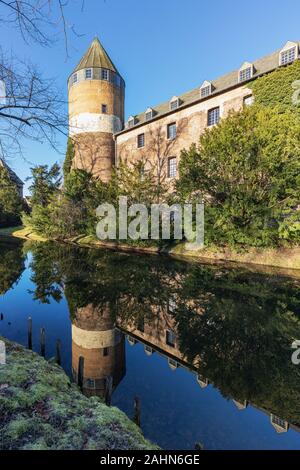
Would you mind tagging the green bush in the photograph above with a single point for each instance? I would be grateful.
(247, 170)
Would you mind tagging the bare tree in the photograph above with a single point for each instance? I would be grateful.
(31, 107)
(39, 21)
(155, 155)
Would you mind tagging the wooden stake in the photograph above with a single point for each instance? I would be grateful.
(43, 342)
(29, 333)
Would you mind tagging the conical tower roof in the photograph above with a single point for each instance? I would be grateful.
(96, 56)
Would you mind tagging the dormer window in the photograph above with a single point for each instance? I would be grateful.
(105, 74)
(205, 89)
(174, 103)
(131, 121)
(74, 78)
(88, 74)
(289, 53)
(149, 114)
(246, 72)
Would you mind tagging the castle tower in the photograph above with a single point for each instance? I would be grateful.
(96, 111)
(101, 345)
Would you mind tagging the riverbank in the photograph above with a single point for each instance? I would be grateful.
(285, 258)
(41, 409)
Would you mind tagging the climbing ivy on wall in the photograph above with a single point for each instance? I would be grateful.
(278, 89)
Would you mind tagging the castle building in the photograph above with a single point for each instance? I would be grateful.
(157, 136)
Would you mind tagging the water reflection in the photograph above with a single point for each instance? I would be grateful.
(229, 327)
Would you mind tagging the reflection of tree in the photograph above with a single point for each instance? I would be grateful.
(235, 326)
(11, 265)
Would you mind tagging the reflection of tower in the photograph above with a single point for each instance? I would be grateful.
(101, 345)
(96, 111)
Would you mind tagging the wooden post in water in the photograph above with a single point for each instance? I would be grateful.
(137, 411)
(29, 333)
(80, 372)
(58, 352)
(43, 342)
(108, 390)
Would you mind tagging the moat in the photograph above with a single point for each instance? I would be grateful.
(206, 348)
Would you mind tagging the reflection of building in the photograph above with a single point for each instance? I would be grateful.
(95, 339)
(279, 424)
(100, 342)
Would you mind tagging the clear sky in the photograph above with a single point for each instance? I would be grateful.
(161, 47)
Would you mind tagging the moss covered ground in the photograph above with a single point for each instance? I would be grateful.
(41, 409)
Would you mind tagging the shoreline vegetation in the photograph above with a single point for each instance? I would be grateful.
(280, 258)
(42, 410)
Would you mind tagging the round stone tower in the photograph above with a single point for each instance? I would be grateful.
(101, 345)
(96, 111)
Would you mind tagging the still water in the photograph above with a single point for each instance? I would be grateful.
(207, 349)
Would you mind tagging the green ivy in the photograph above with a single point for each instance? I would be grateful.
(276, 89)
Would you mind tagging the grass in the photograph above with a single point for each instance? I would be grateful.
(41, 409)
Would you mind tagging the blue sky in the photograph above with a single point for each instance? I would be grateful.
(161, 47)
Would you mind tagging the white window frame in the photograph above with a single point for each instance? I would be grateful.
(246, 72)
(105, 75)
(174, 103)
(138, 141)
(205, 89)
(148, 114)
(173, 134)
(248, 100)
(85, 74)
(288, 48)
(172, 168)
(211, 124)
(131, 122)
(172, 335)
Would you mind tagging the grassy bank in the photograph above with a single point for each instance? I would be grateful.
(285, 258)
(41, 409)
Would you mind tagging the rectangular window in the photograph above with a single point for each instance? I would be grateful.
(105, 352)
(75, 78)
(248, 100)
(245, 74)
(172, 167)
(170, 338)
(104, 74)
(174, 105)
(287, 57)
(171, 131)
(149, 116)
(141, 325)
(213, 116)
(141, 140)
(104, 108)
(205, 91)
(131, 123)
(88, 73)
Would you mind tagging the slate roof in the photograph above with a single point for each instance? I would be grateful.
(220, 85)
(96, 56)
(14, 178)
